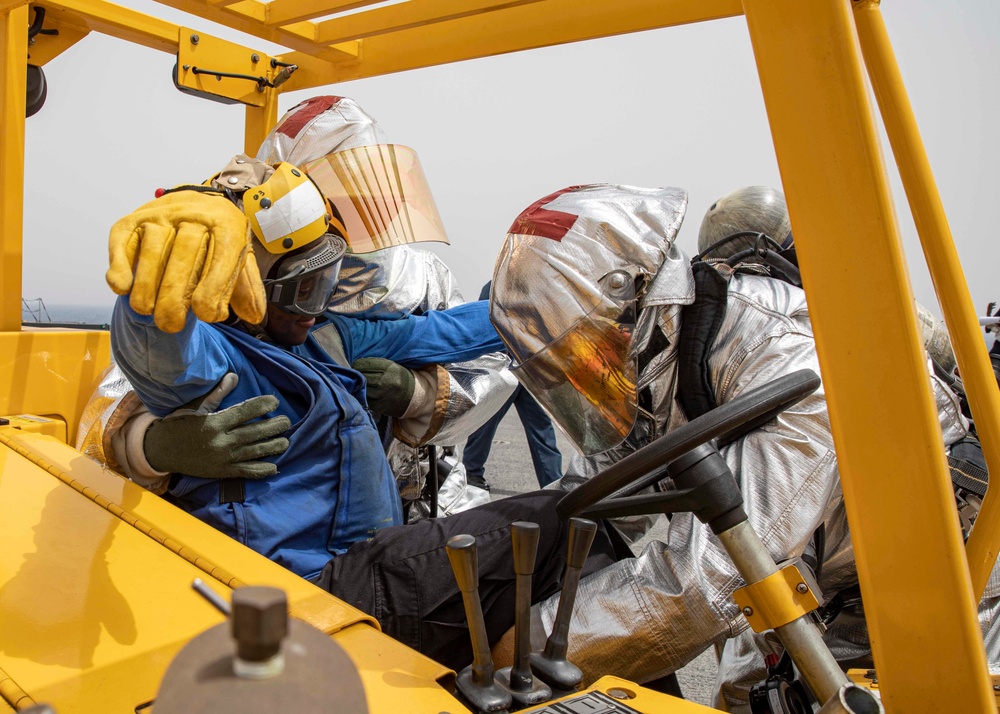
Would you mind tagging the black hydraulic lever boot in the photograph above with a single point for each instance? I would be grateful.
(475, 682)
(551, 665)
(526, 690)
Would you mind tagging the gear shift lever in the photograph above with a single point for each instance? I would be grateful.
(475, 682)
(526, 690)
(551, 665)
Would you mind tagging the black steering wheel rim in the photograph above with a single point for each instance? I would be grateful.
(725, 423)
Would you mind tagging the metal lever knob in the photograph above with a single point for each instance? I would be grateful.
(475, 682)
(525, 689)
(551, 665)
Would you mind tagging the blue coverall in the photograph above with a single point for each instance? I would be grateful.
(333, 487)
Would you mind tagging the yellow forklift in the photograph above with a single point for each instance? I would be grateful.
(96, 573)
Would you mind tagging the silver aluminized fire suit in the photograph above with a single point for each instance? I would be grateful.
(645, 617)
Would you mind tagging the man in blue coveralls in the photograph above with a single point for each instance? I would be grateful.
(332, 512)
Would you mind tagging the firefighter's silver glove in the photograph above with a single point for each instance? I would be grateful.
(198, 441)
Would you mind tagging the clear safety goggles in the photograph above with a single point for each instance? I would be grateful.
(305, 280)
(382, 193)
(586, 378)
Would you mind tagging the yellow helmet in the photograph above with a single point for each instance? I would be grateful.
(299, 238)
(288, 211)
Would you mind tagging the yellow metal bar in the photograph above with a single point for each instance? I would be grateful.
(259, 121)
(540, 24)
(414, 13)
(282, 12)
(199, 55)
(247, 8)
(238, 17)
(244, 6)
(13, 71)
(776, 600)
(911, 562)
(116, 21)
(945, 269)
(12, 694)
(70, 29)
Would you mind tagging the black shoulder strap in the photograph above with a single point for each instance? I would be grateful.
(700, 323)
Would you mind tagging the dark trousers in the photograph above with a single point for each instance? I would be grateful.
(545, 454)
(403, 577)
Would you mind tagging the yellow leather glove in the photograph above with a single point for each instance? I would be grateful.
(188, 250)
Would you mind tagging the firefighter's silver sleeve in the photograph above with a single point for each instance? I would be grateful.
(111, 431)
(109, 406)
(468, 394)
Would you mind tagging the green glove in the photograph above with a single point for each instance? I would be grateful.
(390, 386)
(226, 444)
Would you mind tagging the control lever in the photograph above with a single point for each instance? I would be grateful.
(475, 682)
(551, 664)
(526, 690)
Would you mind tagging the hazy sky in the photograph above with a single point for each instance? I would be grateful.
(679, 107)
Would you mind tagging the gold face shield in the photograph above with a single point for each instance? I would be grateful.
(586, 378)
(382, 195)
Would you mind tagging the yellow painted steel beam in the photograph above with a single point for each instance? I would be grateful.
(116, 21)
(198, 56)
(259, 121)
(71, 29)
(247, 8)
(415, 13)
(775, 600)
(918, 598)
(248, 17)
(282, 12)
(540, 24)
(12, 697)
(13, 72)
(945, 269)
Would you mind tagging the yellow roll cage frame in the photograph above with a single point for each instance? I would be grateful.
(920, 584)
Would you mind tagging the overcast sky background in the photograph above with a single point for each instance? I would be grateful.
(680, 106)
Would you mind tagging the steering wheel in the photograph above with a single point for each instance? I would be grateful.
(725, 423)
